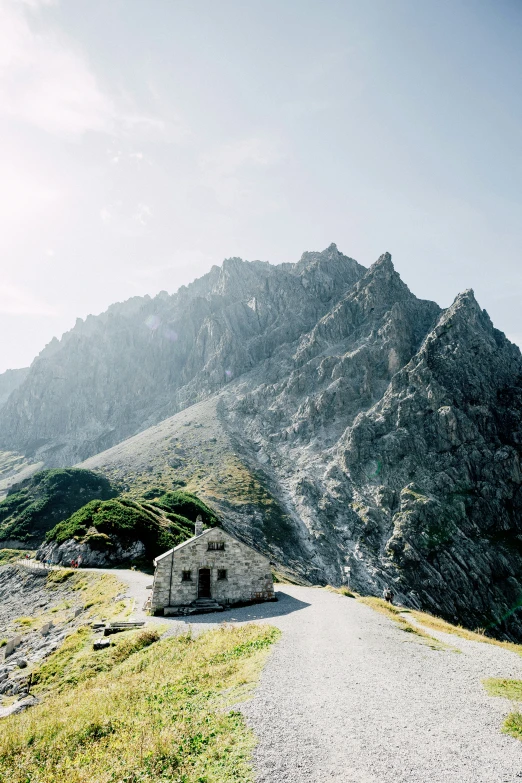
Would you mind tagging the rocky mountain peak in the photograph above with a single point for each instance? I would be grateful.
(384, 260)
(345, 427)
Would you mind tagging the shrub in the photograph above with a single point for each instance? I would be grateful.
(38, 503)
(159, 525)
(187, 505)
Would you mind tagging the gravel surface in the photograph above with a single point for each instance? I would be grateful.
(347, 696)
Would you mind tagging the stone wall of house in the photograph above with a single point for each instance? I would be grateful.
(248, 573)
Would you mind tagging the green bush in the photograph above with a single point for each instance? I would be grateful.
(159, 525)
(187, 505)
(36, 505)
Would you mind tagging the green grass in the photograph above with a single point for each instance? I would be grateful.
(161, 714)
(342, 591)
(187, 506)
(507, 689)
(25, 622)
(513, 725)
(394, 613)
(76, 662)
(160, 523)
(438, 624)
(12, 555)
(37, 504)
(97, 594)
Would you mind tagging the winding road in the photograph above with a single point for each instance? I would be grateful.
(347, 696)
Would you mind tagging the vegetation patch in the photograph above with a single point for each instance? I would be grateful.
(12, 555)
(437, 624)
(159, 523)
(162, 714)
(99, 595)
(76, 661)
(395, 613)
(513, 725)
(187, 506)
(342, 591)
(507, 689)
(37, 504)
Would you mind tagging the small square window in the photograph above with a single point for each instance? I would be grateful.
(216, 546)
(222, 573)
(186, 576)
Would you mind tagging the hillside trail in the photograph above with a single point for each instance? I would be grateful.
(347, 696)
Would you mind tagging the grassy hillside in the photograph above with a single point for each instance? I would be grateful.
(194, 450)
(160, 522)
(160, 711)
(36, 505)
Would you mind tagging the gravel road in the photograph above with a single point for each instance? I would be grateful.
(347, 696)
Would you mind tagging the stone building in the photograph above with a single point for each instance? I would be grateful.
(211, 571)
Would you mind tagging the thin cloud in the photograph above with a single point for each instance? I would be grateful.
(44, 81)
(47, 82)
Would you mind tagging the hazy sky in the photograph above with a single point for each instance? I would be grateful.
(142, 141)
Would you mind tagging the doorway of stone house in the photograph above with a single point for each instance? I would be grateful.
(204, 583)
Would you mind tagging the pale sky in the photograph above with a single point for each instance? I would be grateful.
(142, 141)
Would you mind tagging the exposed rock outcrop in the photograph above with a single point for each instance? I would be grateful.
(63, 554)
(117, 373)
(11, 380)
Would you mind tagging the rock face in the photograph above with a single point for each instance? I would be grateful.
(355, 433)
(143, 360)
(9, 381)
(63, 554)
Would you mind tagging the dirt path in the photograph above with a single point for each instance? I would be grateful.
(347, 696)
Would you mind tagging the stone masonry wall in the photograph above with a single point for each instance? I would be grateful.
(248, 573)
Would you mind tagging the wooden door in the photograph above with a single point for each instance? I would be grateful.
(204, 583)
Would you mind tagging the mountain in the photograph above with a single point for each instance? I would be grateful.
(355, 433)
(9, 381)
(115, 374)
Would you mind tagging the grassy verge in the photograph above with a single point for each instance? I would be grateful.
(76, 661)
(99, 594)
(426, 620)
(437, 624)
(12, 555)
(513, 725)
(161, 714)
(508, 689)
(394, 613)
(342, 591)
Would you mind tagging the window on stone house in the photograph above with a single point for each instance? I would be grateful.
(222, 573)
(186, 576)
(216, 545)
